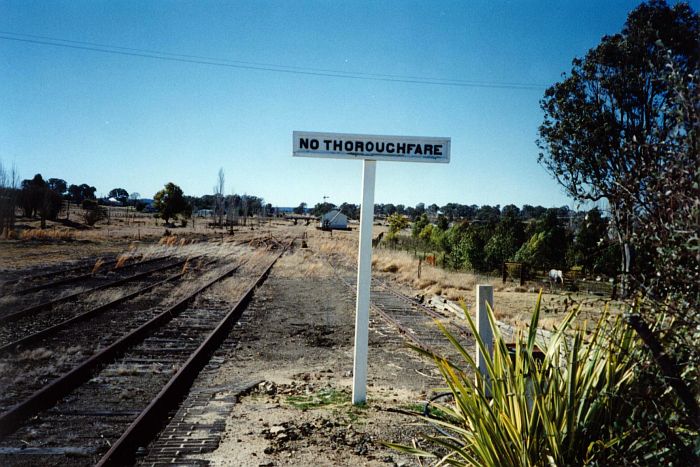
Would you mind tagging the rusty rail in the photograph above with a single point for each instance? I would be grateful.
(151, 419)
(90, 313)
(41, 306)
(49, 394)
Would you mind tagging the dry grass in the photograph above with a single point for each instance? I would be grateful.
(402, 267)
(98, 264)
(40, 353)
(302, 263)
(102, 297)
(513, 304)
(169, 240)
(121, 260)
(46, 235)
(35, 365)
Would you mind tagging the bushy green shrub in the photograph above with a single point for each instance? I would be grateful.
(569, 408)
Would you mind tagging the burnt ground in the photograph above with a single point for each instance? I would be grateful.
(278, 392)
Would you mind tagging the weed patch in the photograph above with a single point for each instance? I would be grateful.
(324, 397)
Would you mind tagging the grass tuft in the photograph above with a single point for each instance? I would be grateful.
(561, 406)
(98, 264)
(121, 260)
(46, 235)
(324, 397)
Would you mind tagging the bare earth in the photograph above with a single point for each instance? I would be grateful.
(293, 353)
(281, 383)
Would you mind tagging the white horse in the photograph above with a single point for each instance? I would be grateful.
(556, 276)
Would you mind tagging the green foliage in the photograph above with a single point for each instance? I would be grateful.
(322, 208)
(507, 238)
(546, 248)
(324, 397)
(78, 193)
(92, 212)
(592, 247)
(170, 202)
(426, 233)
(397, 223)
(36, 197)
(120, 194)
(568, 408)
(58, 185)
(301, 209)
(419, 225)
(468, 247)
(624, 126)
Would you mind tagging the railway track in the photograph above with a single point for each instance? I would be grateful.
(398, 317)
(33, 310)
(91, 283)
(100, 410)
(79, 266)
(43, 355)
(21, 333)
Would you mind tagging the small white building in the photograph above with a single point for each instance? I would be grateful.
(334, 219)
(205, 213)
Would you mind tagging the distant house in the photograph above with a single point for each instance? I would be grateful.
(334, 220)
(205, 212)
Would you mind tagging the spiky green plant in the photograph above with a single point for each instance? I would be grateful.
(562, 409)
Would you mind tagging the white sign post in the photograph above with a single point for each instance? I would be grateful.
(369, 148)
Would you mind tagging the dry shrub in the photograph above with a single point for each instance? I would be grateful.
(168, 240)
(185, 267)
(121, 260)
(46, 235)
(302, 263)
(433, 281)
(97, 266)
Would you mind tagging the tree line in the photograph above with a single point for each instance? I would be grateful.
(556, 238)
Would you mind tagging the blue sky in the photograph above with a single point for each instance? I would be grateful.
(114, 120)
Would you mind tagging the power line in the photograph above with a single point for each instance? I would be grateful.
(212, 61)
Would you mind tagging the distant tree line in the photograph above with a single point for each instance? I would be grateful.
(556, 238)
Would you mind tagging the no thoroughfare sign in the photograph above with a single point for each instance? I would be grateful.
(369, 148)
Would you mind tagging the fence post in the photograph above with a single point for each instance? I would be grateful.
(484, 295)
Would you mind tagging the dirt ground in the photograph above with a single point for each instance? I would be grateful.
(296, 341)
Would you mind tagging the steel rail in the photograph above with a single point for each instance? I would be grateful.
(430, 312)
(86, 263)
(152, 418)
(60, 387)
(51, 273)
(44, 333)
(404, 331)
(35, 308)
(68, 280)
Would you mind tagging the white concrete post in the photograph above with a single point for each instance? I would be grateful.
(364, 278)
(484, 294)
